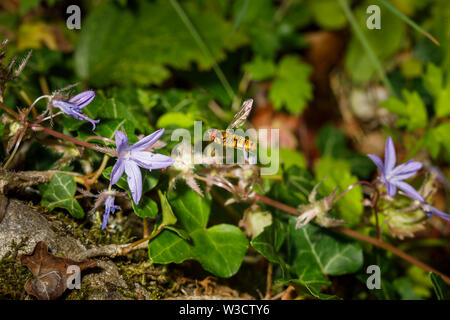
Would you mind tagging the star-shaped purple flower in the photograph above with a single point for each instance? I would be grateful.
(393, 176)
(74, 105)
(132, 157)
(109, 207)
(431, 211)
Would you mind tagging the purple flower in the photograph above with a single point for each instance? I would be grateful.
(73, 106)
(109, 207)
(430, 210)
(132, 157)
(393, 176)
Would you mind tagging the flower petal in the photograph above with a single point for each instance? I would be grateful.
(65, 106)
(83, 99)
(117, 171)
(105, 219)
(150, 160)
(389, 156)
(378, 162)
(406, 170)
(122, 142)
(409, 190)
(440, 213)
(147, 141)
(134, 178)
(391, 189)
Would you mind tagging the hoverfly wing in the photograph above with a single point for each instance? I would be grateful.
(242, 114)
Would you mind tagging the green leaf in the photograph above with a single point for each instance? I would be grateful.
(269, 242)
(443, 102)
(149, 179)
(433, 79)
(260, 68)
(441, 289)
(314, 248)
(412, 113)
(168, 217)
(331, 143)
(328, 14)
(220, 249)
(384, 42)
(106, 129)
(291, 87)
(147, 208)
(405, 288)
(59, 193)
(141, 49)
(178, 119)
(336, 173)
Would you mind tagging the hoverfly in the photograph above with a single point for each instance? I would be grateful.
(227, 138)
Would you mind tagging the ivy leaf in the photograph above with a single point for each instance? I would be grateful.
(145, 45)
(314, 248)
(220, 249)
(168, 217)
(336, 173)
(269, 242)
(291, 87)
(441, 289)
(59, 193)
(146, 208)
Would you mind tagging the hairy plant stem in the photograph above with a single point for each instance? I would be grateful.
(356, 235)
(74, 140)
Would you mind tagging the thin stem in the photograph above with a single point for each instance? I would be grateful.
(414, 25)
(11, 112)
(269, 281)
(356, 235)
(202, 45)
(74, 140)
(16, 147)
(392, 249)
(99, 171)
(373, 58)
(130, 247)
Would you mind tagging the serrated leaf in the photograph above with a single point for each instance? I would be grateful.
(220, 249)
(336, 174)
(260, 68)
(59, 193)
(291, 87)
(412, 112)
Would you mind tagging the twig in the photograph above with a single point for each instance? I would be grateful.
(356, 235)
(269, 281)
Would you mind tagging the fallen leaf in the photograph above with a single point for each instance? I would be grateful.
(50, 272)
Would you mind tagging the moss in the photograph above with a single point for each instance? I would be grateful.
(146, 275)
(13, 275)
(86, 233)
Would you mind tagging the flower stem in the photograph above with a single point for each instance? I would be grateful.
(356, 235)
(74, 140)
